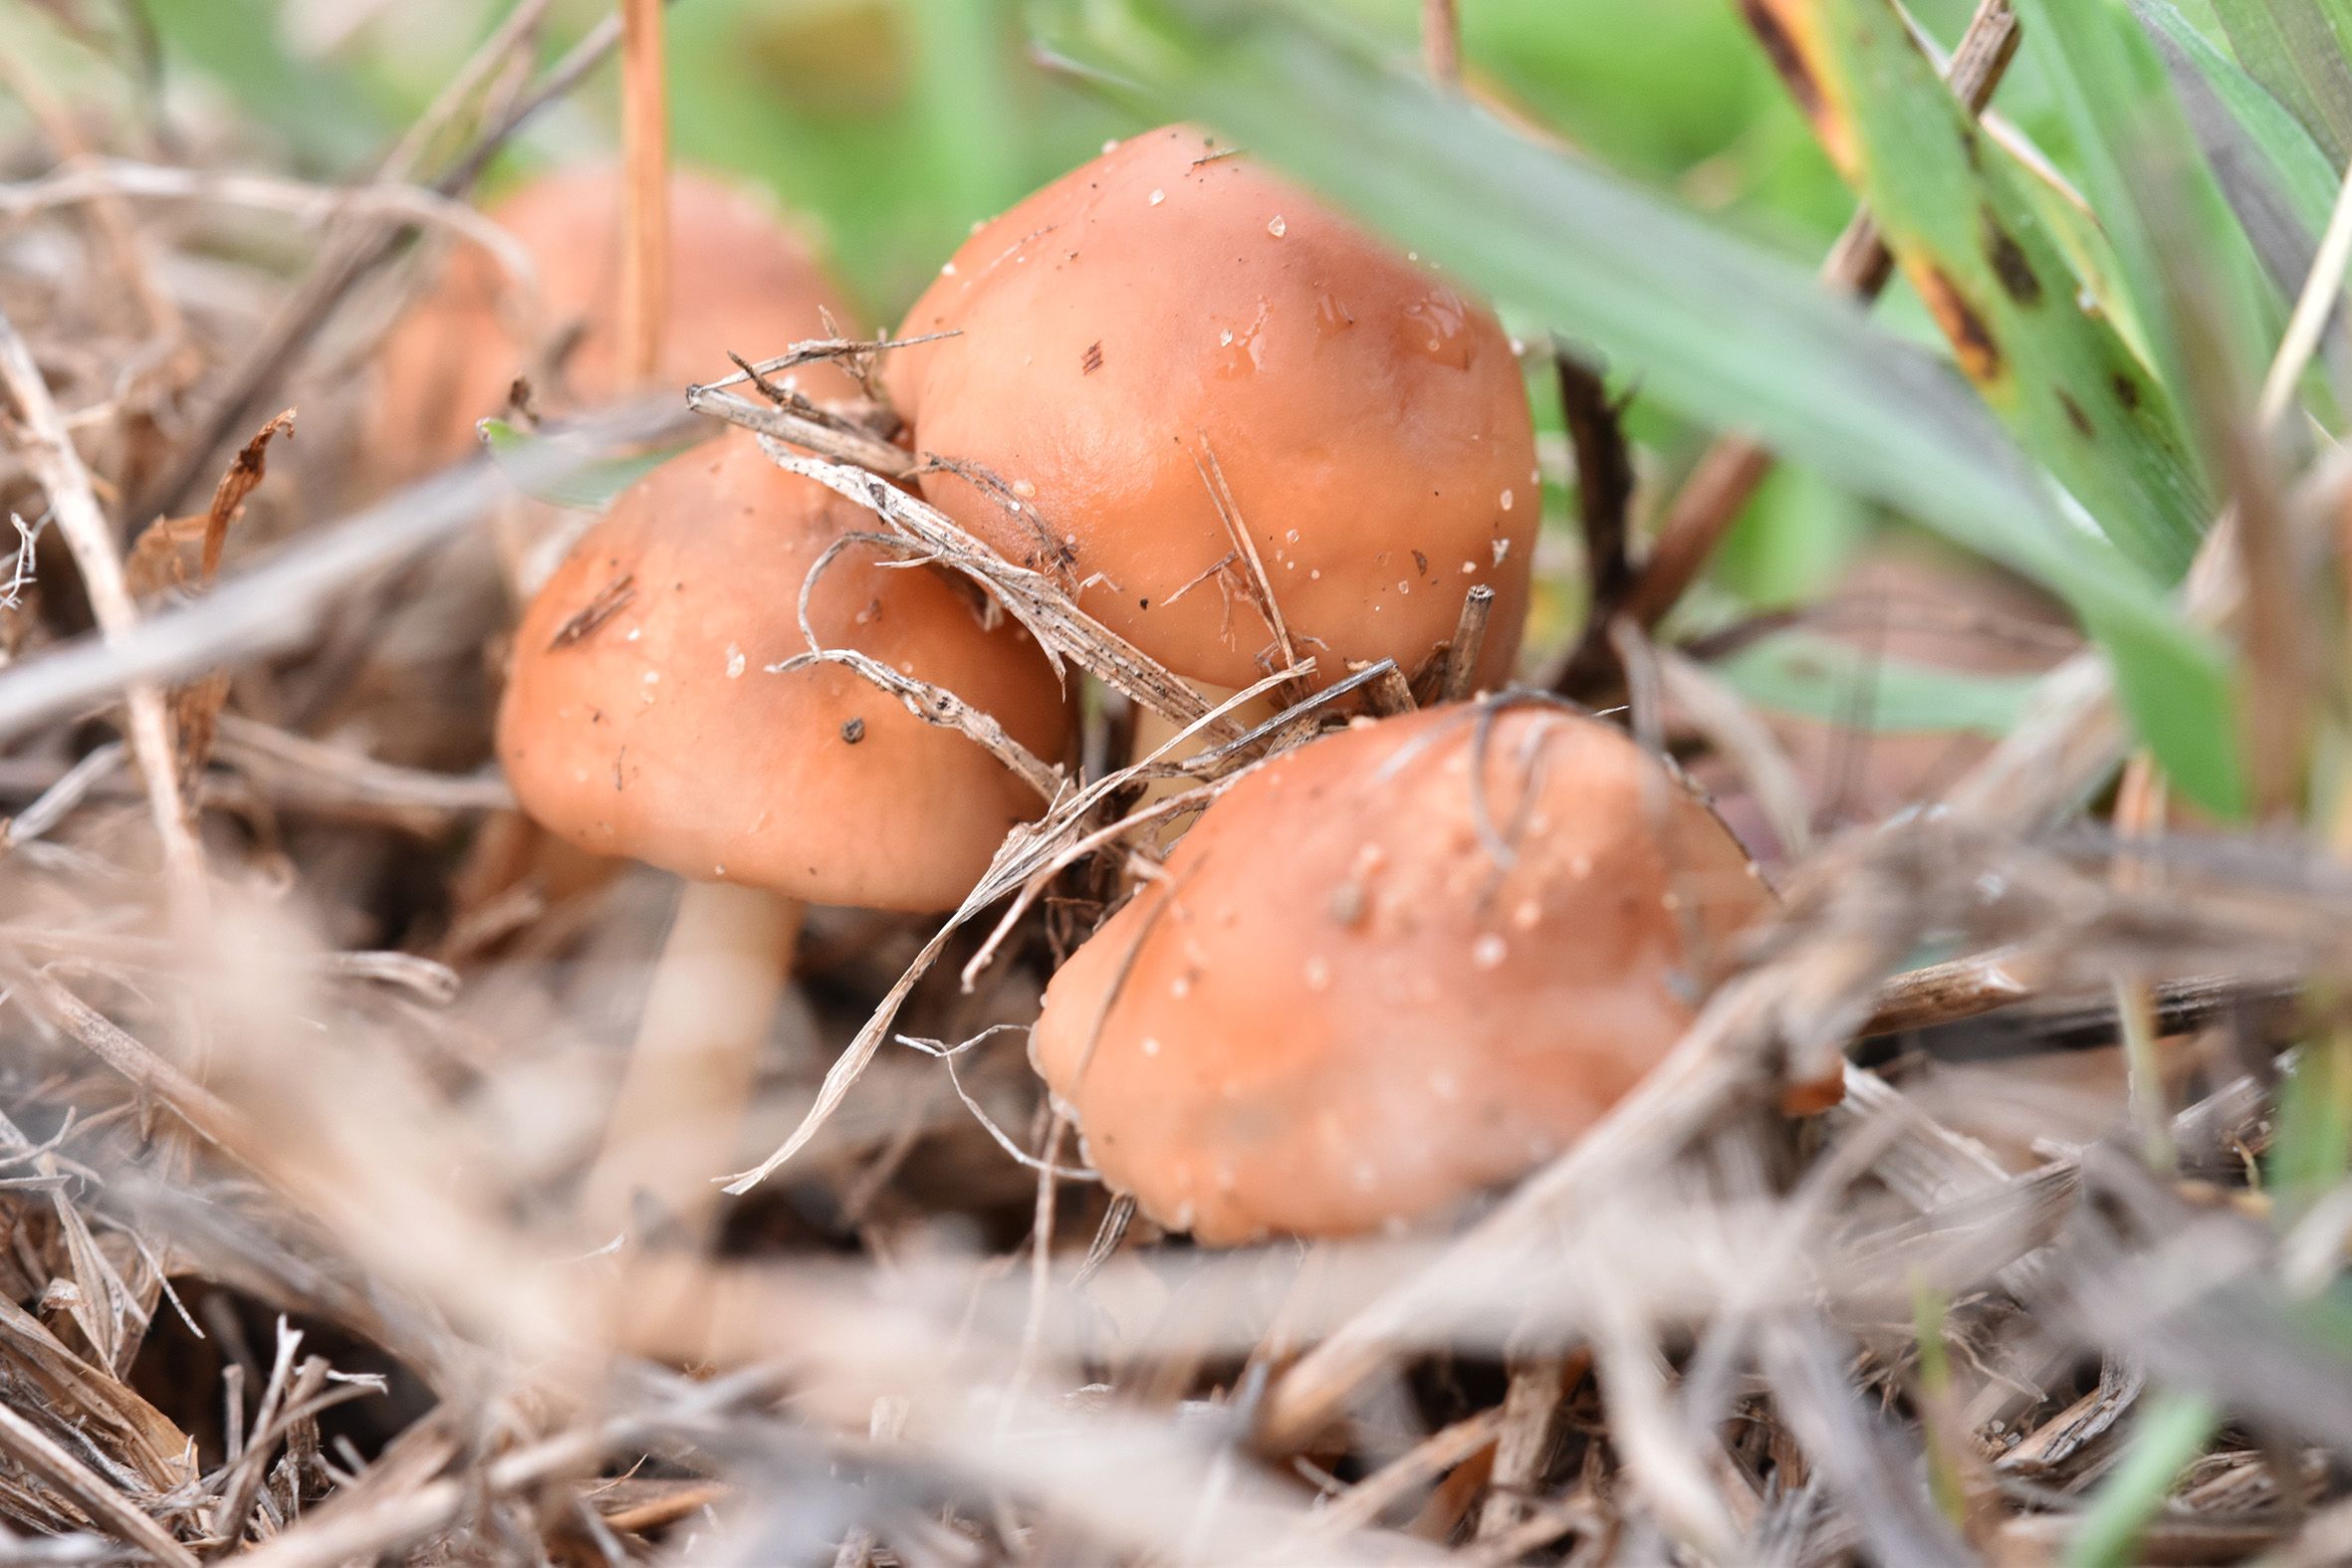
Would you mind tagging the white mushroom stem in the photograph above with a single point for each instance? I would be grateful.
(1154, 730)
(713, 996)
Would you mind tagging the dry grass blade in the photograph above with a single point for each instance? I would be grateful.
(1028, 856)
(362, 1313)
(1029, 597)
(281, 602)
(836, 440)
(49, 451)
(27, 1446)
(930, 703)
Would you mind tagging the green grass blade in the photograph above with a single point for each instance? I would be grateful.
(2270, 171)
(1974, 245)
(1711, 326)
(591, 488)
(2289, 48)
(2172, 1429)
(2142, 171)
(1834, 682)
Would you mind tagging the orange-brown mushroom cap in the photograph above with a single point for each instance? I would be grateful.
(1161, 306)
(640, 718)
(739, 279)
(1339, 1007)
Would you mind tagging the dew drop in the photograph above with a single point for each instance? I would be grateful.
(654, 677)
(1151, 1046)
(1277, 228)
(1113, 145)
(1437, 328)
(1501, 548)
(1159, 196)
(634, 633)
(948, 271)
(1291, 538)
(1469, 567)
(1022, 488)
(1507, 500)
(1314, 573)
(734, 662)
(1487, 952)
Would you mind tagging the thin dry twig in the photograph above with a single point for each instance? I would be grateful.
(49, 452)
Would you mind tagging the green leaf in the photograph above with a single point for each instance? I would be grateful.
(1711, 327)
(2172, 1429)
(2288, 154)
(2270, 171)
(2290, 49)
(1976, 249)
(2143, 174)
(2313, 1146)
(1835, 682)
(589, 487)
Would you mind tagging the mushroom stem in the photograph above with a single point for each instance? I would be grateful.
(646, 247)
(714, 992)
(1154, 730)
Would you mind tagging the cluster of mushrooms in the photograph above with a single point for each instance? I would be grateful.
(1387, 969)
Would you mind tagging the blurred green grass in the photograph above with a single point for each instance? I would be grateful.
(890, 127)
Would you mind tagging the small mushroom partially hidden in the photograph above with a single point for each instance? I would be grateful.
(1402, 964)
(1189, 376)
(641, 719)
(740, 280)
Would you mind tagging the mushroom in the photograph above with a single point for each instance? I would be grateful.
(640, 719)
(740, 280)
(1403, 963)
(1171, 326)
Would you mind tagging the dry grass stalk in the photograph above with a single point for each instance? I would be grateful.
(388, 1146)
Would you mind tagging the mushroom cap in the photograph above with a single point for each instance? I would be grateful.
(640, 718)
(740, 280)
(1337, 1009)
(1151, 310)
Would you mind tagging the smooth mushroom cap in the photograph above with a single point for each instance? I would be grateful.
(1339, 1008)
(1160, 307)
(739, 279)
(640, 720)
